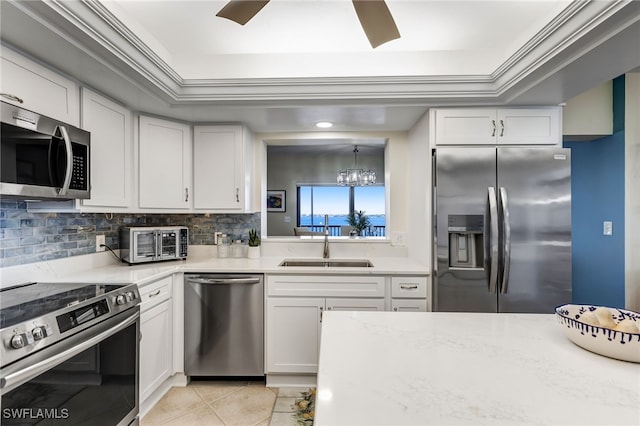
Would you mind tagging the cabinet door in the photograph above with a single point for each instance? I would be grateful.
(409, 305)
(164, 164)
(40, 89)
(155, 348)
(354, 304)
(293, 334)
(466, 126)
(111, 166)
(218, 168)
(529, 126)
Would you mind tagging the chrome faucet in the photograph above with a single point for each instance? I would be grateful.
(325, 253)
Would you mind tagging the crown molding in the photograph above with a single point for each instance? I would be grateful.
(93, 29)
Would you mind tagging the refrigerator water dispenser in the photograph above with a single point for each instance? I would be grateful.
(466, 241)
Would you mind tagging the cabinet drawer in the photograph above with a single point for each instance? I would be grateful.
(409, 287)
(154, 293)
(325, 286)
(409, 305)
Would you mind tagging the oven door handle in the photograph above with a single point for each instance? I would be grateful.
(19, 377)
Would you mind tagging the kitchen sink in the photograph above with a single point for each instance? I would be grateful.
(329, 263)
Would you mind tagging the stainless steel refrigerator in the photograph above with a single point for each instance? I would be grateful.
(502, 237)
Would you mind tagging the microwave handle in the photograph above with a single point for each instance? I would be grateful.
(157, 239)
(67, 176)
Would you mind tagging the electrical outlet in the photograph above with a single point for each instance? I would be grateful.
(607, 227)
(100, 241)
(398, 238)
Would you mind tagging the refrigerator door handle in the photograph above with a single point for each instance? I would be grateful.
(491, 260)
(506, 248)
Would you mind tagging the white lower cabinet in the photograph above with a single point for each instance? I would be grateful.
(293, 329)
(409, 294)
(293, 323)
(409, 305)
(156, 343)
(293, 334)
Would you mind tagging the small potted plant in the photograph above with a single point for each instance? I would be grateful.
(254, 245)
(358, 221)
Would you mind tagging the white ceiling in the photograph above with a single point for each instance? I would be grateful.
(323, 38)
(301, 61)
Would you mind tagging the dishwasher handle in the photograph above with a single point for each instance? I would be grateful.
(204, 280)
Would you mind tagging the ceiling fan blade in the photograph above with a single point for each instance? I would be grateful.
(241, 11)
(376, 21)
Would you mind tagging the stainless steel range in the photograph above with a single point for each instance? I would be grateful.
(69, 354)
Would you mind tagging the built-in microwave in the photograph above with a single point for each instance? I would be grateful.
(42, 158)
(152, 244)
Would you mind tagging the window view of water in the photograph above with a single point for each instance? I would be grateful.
(335, 201)
(338, 220)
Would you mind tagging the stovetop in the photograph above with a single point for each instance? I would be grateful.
(38, 315)
(24, 302)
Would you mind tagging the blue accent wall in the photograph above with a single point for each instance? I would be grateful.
(597, 184)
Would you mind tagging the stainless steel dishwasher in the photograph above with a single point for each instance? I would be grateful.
(223, 325)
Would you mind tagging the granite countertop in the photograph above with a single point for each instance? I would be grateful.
(389, 368)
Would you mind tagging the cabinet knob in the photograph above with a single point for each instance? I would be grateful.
(395, 309)
(501, 128)
(237, 195)
(493, 123)
(186, 195)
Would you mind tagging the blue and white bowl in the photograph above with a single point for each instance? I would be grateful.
(598, 339)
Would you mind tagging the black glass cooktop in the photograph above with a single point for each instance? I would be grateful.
(27, 301)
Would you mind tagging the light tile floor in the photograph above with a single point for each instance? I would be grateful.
(224, 403)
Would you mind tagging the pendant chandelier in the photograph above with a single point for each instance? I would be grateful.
(356, 176)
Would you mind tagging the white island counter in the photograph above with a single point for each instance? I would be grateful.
(389, 368)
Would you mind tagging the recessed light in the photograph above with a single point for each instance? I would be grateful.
(324, 124)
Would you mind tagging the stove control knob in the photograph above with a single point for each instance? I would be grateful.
(131, 295)
(121, 299)
(39, 333)
(17, 341)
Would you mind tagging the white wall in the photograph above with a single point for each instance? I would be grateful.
(419, 192)
(632, 194)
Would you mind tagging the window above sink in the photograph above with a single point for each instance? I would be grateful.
(306, 170)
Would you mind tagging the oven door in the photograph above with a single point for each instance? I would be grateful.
(144, 247)
(90, 378)
(169, 244)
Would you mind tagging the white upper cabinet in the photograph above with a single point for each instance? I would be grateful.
(505, 126)
(32, 86)
(223, 168)
(111, 152)
(164, 164)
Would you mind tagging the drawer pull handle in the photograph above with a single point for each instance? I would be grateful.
(409, 287)
(12, 97)
(154, 294)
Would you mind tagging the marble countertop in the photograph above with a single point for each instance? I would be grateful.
(389, 368)
(111, 271)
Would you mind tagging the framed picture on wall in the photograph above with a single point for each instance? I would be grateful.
(276, 201)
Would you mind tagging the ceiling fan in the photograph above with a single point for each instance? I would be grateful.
(374, 16)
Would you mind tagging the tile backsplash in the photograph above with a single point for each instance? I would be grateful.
(29, 237)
